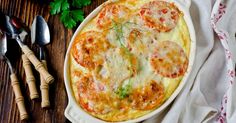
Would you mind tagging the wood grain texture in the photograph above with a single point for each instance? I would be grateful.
(60, 38)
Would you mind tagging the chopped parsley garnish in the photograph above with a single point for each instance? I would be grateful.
(123, 92)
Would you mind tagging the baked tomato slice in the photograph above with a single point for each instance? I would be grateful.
(134, 35)
(92, 96)
(160, 15)
(87, 49)
(147, 97)
(169, 60)
(112, 13)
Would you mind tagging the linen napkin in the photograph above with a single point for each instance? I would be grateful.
(209, 95)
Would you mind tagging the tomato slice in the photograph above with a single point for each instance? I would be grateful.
(86, 49)
(160, 15)
(134, 35)
(110, 13)
(169, 60)
(92, 97)
(148, 97)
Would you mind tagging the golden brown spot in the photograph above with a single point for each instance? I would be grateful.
(169, 60)
(88, 45)
(147, 97)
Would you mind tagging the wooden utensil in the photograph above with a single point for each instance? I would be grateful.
(40, 35)
(14, 81)
(14, 34)
(30, 79)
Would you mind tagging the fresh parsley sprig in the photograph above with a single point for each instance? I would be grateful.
(70, 11)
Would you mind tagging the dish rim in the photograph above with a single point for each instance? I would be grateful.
(76, 114)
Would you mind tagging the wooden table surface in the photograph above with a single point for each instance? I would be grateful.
(60, 38)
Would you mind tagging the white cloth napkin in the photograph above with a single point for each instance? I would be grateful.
(209, 96)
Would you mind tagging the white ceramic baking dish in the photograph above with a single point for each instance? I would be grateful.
(77, 115)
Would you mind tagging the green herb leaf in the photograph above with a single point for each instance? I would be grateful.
(70, 18)
(118, 28)
(86, 2)
(123, 92)
(59, 5)
(78, 15)
(80, 3)
(67, 20)
(65, 5)
(55, 7)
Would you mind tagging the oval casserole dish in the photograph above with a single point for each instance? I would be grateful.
(76, 112)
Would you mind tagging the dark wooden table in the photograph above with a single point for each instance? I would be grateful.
(60, 38)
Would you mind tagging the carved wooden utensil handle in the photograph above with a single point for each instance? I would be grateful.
(30, 77)
(37, 64)
(18, 97)
(44, 87)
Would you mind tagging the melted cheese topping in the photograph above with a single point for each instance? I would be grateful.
(121, 67)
